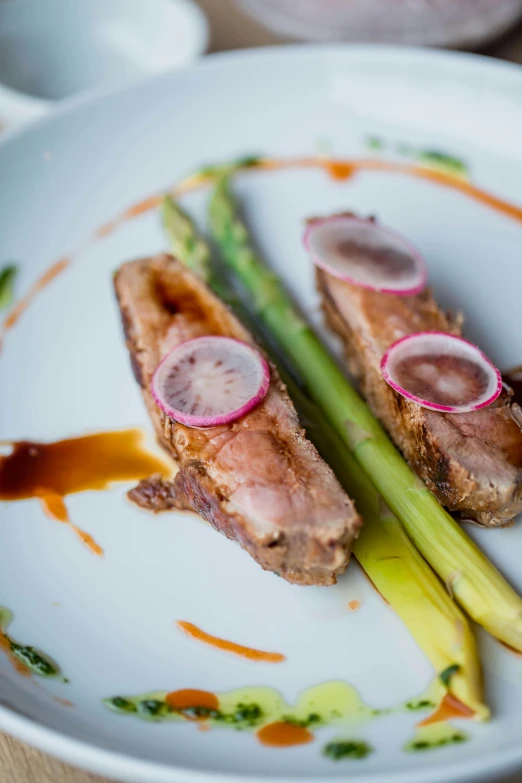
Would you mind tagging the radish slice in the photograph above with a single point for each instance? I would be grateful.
(441, 372)
(210, 381)
(364, 253)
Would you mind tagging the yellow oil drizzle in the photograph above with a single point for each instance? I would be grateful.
(276, 722)
(435, 736)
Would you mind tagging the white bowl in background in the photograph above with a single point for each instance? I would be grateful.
(52, 49)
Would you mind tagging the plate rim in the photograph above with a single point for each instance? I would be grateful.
(96, 759)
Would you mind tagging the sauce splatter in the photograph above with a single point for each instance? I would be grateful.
(106, 229)
(18, 665)
(450, 707)
(25, 659)
(63, 702)
(284, 735)
(191, 698)
(250, 709)
(339, 169)
(146, 205)
(343, 169)
(43, 281)
(276, 723)
(51, 471)
(351, 167)
(238, 649)
(433, 737)
(54, 507)
(135, 210)
(354, 605)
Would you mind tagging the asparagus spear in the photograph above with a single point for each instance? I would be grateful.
(185, 243)
(474, 581)
(383, 549)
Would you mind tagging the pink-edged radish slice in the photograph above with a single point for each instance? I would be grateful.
(366, 254)
(210, 381)
(441, 372)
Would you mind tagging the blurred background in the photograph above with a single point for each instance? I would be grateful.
(55, 49)
(469, 24)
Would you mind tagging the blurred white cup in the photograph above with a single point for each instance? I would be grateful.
(52, 49)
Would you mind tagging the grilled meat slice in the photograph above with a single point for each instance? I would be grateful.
(156, 494)
(472, 462)
(258, 480)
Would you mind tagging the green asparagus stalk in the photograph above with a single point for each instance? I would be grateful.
(473, 580)
(185, 243)
(384, 551)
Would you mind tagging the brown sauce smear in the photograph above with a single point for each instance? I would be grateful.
(450, 707)
(190, 697)
(238, 649)
(51, 471)
(283, 735)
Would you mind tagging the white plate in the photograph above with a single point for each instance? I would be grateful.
(65, 371)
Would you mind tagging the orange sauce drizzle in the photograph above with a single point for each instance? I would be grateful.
(191, 697)
(341, 169)
(238, 649)
(21, 306)
(338, 169)
(450, 707)
(148, 204)
(283, 735)
(18, 665)
(134, 211)
(63, 702)
(51, 471)
(354, 605)
(106, 229)
(54, 507)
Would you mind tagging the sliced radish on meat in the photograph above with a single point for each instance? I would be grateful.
(210, 381)
(364, 253)
(441, 372)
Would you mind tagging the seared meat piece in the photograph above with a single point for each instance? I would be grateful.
(258, 480)
(472, 462)
(156, 494)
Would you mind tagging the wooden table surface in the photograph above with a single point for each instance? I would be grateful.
(231, 29)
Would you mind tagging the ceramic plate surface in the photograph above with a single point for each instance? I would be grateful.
(110, 621)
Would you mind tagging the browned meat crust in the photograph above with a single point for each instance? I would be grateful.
(156, 494)
(259, 480)
(471, 461)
